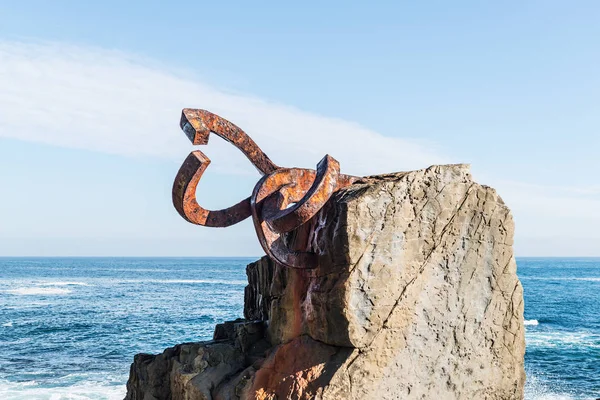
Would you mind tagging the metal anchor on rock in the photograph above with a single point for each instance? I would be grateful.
(282, 200)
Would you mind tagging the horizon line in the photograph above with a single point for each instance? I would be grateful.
(257, 256)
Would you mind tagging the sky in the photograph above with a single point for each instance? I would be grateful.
(91, 94)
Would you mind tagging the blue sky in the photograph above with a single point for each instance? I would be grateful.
(90, 95)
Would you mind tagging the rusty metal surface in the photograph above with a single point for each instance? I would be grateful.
(184, 196)
(313, 199)
(282, 200)
(197, 124)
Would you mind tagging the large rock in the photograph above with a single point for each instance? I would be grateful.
(416, 296)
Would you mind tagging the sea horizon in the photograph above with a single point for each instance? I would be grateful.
(260, 256)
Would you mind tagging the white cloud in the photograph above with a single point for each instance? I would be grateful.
(112, 102)
(553, 220)
(552, 202)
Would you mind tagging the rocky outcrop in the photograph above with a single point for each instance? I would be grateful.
(257, 295)
(416, 296)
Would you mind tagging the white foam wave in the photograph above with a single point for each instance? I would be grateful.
(67, 283)
(17, 342)
(559, 278)
(535, 389)
(587, 279)
(531, 322)
(189, 281)
(8, 324)
(137, 270)
(562, 339)
(84, 390)
(38, 291)
(27, 306)
(548, 396)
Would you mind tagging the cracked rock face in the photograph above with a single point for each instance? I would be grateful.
(416, 296)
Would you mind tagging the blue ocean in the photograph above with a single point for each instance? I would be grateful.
(69, 327)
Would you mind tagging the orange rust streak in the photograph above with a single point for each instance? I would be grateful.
(300, 284)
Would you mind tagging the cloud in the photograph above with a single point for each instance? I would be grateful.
(587, 191)
(113, 102)
(552, 220)
(552, 202)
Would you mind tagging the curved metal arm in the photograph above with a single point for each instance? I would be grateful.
(184, 196)
(197, 125)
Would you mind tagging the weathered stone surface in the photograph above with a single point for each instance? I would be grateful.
(257, 295)
(300, 369)
(193, 371)
(416, 296)
(187, 371)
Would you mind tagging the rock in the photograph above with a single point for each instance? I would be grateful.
(257, 295)
(416, 296)
(186, 371)
(195, 370)
(300, 369)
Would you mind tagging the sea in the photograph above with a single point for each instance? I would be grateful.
(69, 327)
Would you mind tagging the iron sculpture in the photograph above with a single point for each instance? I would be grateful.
(282, 200)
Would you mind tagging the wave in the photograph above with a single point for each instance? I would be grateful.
(561, 278)
(531, 322)
(536, 389)
(8, 324)
(80, 391)
(138, 270)
(49, 287)
(27, 306)
(16, 342)
(562, 339)
(38, 291)
(190, 281)
(548, 396)
(60, 283)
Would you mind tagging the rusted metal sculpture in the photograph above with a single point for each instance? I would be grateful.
(282, 200)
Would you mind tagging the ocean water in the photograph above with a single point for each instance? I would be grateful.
(69, 327)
